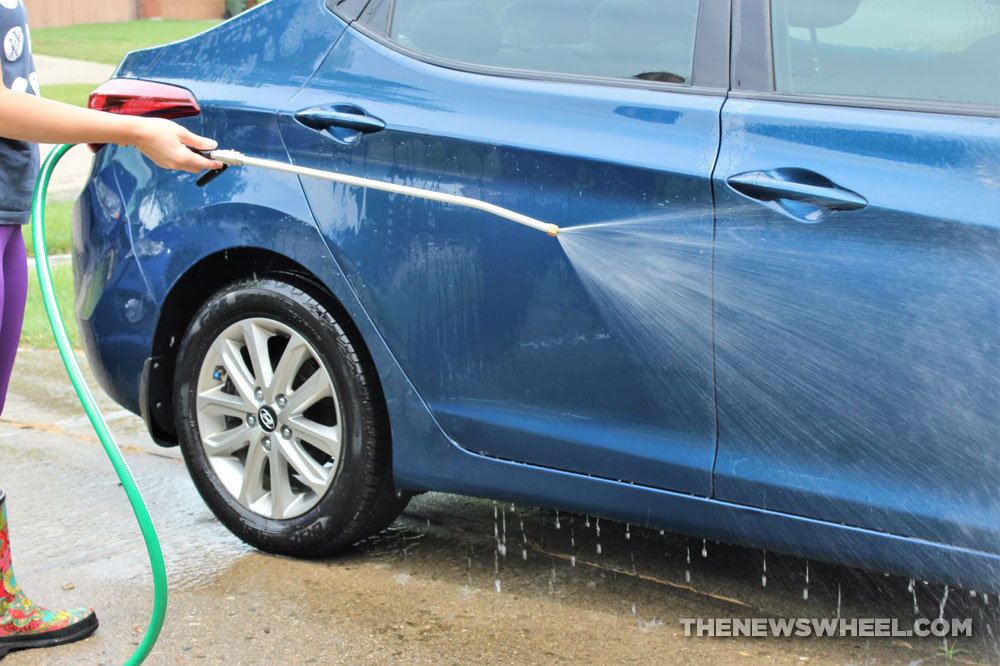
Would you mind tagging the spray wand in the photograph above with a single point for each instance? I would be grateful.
(234, 158)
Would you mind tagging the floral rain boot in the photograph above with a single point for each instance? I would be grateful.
(23, 624)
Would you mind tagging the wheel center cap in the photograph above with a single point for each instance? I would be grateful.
(267, 418)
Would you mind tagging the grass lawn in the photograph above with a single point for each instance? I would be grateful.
(108, 42)
(36, 332)
(70, 93)
(58, 217)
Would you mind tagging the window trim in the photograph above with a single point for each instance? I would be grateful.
(752, 70)
(752, 64)
(712, 44)
(711, 55)
(873, 103)
(348, 16)
(378, 15)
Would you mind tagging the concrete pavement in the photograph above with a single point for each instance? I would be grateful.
(454, 581)
(53, 70)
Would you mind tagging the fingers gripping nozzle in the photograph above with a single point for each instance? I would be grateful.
(207, 177)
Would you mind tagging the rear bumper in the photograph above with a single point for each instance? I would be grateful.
(115, 312)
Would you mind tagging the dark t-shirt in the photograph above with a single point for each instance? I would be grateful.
(18, 159)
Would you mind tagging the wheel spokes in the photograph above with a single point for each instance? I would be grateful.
(277, 469)
(312, 473)
(227, 442)
(282, 495)
(239, 374)
(288, 365)
(217, 402)
(253, 475)
(255, 338)
(323, 437)
(308, 393)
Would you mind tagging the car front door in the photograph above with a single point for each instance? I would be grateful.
(858, 267)
(573, 112)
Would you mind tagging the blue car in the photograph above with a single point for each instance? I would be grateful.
(772, 316)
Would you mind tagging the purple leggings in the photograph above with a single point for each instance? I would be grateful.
(13, 293)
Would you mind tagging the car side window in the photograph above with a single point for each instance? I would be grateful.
(638, 39)
(932, 50)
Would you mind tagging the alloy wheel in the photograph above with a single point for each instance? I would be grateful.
(269, 417)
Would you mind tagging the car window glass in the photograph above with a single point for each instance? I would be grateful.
(645, 39)
(936, 50)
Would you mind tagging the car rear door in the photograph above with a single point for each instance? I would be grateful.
(858, 266)
(573, 112)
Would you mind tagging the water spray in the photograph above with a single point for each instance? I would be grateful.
(234, 158)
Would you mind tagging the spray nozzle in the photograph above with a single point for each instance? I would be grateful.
(207, 177)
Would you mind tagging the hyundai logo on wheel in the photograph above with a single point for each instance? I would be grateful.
(267, 419)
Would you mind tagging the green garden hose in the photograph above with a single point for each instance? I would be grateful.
(94, 412)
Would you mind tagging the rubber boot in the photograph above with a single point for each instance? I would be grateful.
(23, 624)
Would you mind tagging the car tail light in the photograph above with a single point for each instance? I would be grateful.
(135, 97)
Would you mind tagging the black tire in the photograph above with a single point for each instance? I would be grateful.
(361, 499)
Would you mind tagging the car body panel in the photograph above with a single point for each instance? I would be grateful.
(142, 232)
(489, 319)
(858, 357)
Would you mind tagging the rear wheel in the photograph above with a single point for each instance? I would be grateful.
(281, 420)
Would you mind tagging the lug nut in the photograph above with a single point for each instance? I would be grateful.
(286, 432)
(258, 393)
(267, 443)
(282, 401)
(251, 420)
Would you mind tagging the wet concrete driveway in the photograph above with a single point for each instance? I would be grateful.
(454, 581)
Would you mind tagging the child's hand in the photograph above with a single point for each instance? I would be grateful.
(165, 142)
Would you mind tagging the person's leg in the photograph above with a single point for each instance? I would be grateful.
(13, 292)
(22, 623)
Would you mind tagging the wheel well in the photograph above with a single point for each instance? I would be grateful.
(193, 288)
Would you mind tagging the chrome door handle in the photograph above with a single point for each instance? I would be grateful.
(344, 115)
(800, 185)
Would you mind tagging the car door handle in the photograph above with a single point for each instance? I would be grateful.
(797, 185)
(344, 115)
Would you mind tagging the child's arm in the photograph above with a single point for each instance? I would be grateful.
(26, 117)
